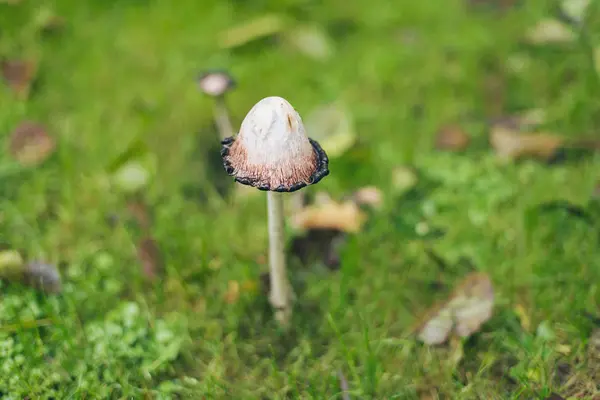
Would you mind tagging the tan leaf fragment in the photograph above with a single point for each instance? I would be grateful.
(149, 256)
(453, 138)
(344, 217)
(19, 74)
(468, 307)
(369, 195)
(30, 144)
(510, 144)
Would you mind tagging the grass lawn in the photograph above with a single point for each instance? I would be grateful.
(122, 73)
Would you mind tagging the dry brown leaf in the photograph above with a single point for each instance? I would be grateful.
(468, 307)
(510, 144)
(19, 74)
(369, 196)
(344, 217)
(453, 138)
(149, 256)
(30, 144)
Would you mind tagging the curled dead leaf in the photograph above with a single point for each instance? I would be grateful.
(30, 144)
(369, 196)
(149, 256)
(453, 138)
(344, 217)
(19, 75)
(510, 144)
(468, 307)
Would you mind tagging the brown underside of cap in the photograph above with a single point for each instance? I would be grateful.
(284, 177)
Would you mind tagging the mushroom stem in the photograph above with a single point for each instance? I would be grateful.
(222, 118)
(281, 289)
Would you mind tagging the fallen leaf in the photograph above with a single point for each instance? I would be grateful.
(467, 308)
(344, 217)
(575, 9)
(149, 256)
(19, 75)
(30, 144)
(260, 27)
(550, 31)
(42, 276)
(369, 196)
(511, 145)
(311, 41)
(453, 138)
(332, 126)
(233, 292)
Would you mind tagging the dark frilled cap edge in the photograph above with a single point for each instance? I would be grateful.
(321, 170)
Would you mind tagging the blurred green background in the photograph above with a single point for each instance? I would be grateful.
(160, 254)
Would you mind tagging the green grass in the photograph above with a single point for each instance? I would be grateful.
(121, 71)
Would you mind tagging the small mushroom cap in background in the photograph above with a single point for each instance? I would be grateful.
(215, 83)
(272, 151)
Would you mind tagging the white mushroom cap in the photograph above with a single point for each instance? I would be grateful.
(272, 151)
(215, 83)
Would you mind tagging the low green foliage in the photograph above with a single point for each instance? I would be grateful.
(121, 73)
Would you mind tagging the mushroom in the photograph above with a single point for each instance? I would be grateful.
(215, 84)
(272, 153)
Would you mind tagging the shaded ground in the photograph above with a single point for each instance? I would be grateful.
(124, 71)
